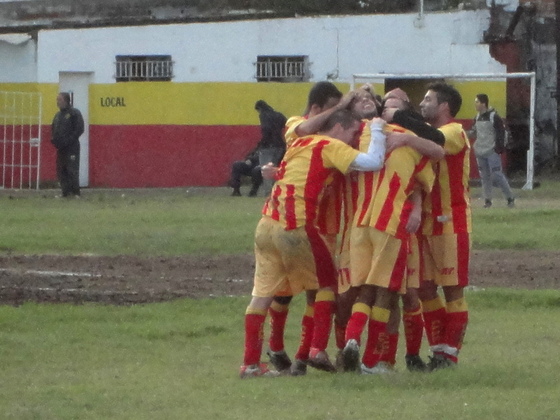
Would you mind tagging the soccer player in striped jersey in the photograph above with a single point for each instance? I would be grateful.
(379, 245)
(446, 230)
(324, 98)
(290, 250)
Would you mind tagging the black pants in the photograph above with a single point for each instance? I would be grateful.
(68, 172)
(241, 168)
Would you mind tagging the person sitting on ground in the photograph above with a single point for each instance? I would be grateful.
(271, 148)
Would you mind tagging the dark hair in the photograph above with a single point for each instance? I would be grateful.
(447, 93)
(261, 105)
(343, 117)
(482, 98)
(320, 94)
(66, 97)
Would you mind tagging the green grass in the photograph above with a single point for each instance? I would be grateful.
(179, 360)
(164, 222)
(209, 221)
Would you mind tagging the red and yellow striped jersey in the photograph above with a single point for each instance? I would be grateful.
(447, 208)
(308, 168)
(290, 135)
(404, 168)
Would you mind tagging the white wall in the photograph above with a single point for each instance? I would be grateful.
(18, 62)
(206, 52)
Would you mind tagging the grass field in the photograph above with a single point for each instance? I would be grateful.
(179, 360)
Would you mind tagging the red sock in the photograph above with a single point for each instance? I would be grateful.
(389, 353)
(357, 322)
(254, 325)
(306, 334)
(377, 341)
(278, 315)
(323, 308)
(434, 314)
(413, 330)
(455, 327)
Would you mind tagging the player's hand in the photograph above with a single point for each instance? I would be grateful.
(413, 222)
(388, 114)
(395, 140)
(346, 100)
(269, 171)
(378, 122)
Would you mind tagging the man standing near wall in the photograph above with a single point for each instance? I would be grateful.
(67, 127)
(489, 131)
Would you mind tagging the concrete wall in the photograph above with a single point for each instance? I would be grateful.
(166, 134)
(225, 52)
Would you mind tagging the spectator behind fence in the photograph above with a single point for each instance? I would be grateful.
(67, 127)
(270, 148)
(489, 130)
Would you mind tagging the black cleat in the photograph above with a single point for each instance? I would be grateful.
(351, 356)
(414, 363)
(299, 368)
(279, 359)
(439, 361)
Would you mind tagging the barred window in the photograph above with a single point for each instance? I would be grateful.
(282, 68)
(143, 68)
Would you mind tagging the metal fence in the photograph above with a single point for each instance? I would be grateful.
(140, 69)
(20, 140)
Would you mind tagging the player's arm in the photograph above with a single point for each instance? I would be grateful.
(423, 146)
(314, 124)
(418, 127)
(375, 156)
(415, 216)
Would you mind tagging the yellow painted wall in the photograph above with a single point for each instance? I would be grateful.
(168, 103)
(496, 91)
(193, 103)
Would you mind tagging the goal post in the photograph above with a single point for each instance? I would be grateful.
(380, 78)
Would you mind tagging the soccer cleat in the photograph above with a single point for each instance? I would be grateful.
(236, 193)
(487, 204)
(351, 356)
(338, 363)
(439, 361)
(299, 368)
(279, 359)
(511, 203)
(254, 371)
(381, 368)
(253, 193)
(319, 359)
(414, 363)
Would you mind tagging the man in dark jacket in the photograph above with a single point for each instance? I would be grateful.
(67, 127)
(270, 148)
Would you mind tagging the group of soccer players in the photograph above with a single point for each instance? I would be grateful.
(392, 192)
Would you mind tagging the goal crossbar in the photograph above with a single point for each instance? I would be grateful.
(474, 76)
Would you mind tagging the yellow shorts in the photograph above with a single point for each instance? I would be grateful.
(290, 260)
(377, 258)
(330, 240)
(445, 259)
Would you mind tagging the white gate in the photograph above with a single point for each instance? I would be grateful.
(20, 139)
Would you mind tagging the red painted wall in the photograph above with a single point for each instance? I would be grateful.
(143, 156)
(165, 156)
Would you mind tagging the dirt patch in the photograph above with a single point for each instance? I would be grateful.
(128, 280)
